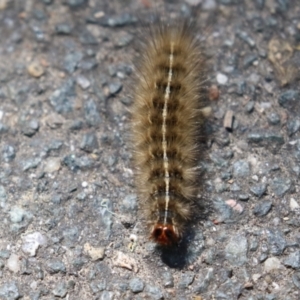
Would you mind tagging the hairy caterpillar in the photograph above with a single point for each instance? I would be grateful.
(166, 119)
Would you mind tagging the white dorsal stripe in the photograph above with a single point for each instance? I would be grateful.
(164, 132)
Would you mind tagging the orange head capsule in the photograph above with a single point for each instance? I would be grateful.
(165, 235)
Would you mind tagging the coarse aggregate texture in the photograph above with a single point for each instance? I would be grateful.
(70, 225)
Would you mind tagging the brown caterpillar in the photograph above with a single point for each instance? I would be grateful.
(166, 118)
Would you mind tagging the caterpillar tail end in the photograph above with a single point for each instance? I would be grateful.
(165, 234)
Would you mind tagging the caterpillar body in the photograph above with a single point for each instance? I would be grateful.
(166, 119)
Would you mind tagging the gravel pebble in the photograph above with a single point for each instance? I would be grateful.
(241, 168)
(293, 260)
(154, 292)
(236, 250)
(92, 115)
(186, 279)
(259, 189)
(60, 289)
(202, 282)
(280, 185)
(52, 164)
(31, 242)
(62, 98)
(89, 142)
(54, 266)
(288, 98)
(30, 128)
(136, 285)
(83, 82)
(272, 264)
(8, 153)
(222, 79)
(9, 291)
(293, 126)
(35, 69)
(116, 21)
(273, 118)
(276, 241)
(13, 263)
(168, 280)
(71, 61)
(262, 208)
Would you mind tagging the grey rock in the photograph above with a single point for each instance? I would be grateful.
(253, 245)
(76, 125)
(289, 98)
(62, 99)
(30, 128)
(8, 153)
(249, 60)
(76, 3)
(60, 289)
(9, 291)
(105, 295)
(4, 254)
(87, 38)
(293, 125)
(3, 195)
(258, 189)
(293, 260)
(244, 36)
(89, 142)
(115, 87)
(71, 61)
(75, 163)
(273, 118)
(168, 280)
(249, 107)
(296, 279)
(54, 266)
(136, 285)
(48, 2)
(241, 168)
(124, 40)
(225, 212)
(88, 64)
(63, 28)
(186, 279)
(280, 185)
(92, 115)
(236, 250)
(31, 163)
(3, 128)
(218, 159)
(116, 21)
(71, 234)
(235, 187)
(83, 82)
(265, 137)
(276, 241)
(154, 292)
(262, 208)
(81, 196)
(202, 283)
(129, 204)
(98, 286)
(18, 214)
(258, 24)
(243, 197)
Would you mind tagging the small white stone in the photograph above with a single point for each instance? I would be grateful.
(272, 264)
(93, 252)
(222, 78)
(52, 165)
(32, 242)
(84, 184)
(13, 263)
(294, 204)
(255, 177)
